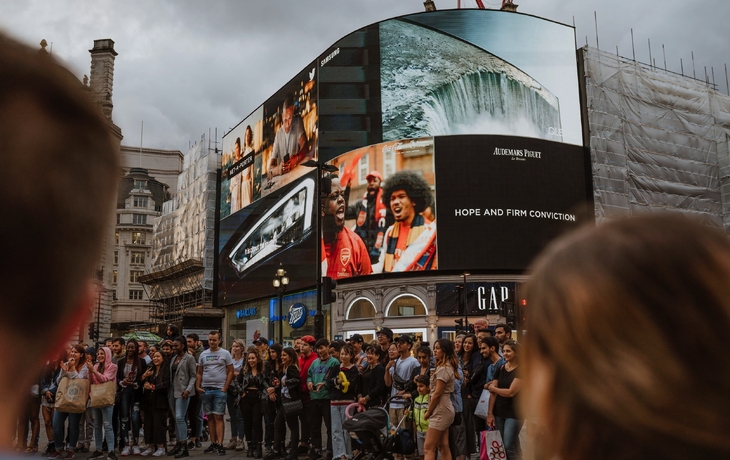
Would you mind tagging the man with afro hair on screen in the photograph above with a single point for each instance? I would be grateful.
(410, 243)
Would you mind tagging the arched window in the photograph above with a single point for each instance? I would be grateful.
(406, 305)
(360, 308)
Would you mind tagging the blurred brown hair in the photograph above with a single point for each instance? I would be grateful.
(627, 354)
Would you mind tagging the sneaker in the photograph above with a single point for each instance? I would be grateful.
(97, 454)
(239, 445)
(231, 444)
(147, 451)
(54, 454)
(159, 452)
(213, 447)
(136, 451)
(111, 456)
(50, 447)
(191, 445)
(69, 455)
(221, 450)
(183, 452)
(198, 444)
(85, 449)
(126, 451)
(273, 455)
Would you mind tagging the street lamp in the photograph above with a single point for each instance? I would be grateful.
(466, 303)
(324, 187)
(280, 282)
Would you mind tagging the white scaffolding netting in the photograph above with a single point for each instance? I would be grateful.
(659, 141)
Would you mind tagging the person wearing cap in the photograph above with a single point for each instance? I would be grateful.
(344, 254)
(384, 335)
(398, 376)
(306, 358)
(371, 215)
(262, 343)
(356, 341)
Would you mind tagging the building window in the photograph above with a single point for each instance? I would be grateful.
(114, 295)
(135, 294)
(137, 257)
(363, 169)
(134, 275)
(116, 238)
(139, 219)
(406, 305)
(360, 308)
(140, 184)
(140, 202)
(138, 238)
(119, 218)
(116, 257)
(389, 163)
(114, 276)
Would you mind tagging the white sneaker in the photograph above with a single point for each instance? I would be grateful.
(125, 451)
(147, 451)
(135, 450)
(159, 452)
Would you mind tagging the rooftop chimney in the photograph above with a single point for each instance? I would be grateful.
(507, 5)
(102, 74)
(429, 5)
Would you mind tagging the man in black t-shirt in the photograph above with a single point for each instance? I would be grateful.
(385, 338)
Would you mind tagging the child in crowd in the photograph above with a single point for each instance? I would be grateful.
(420, 406)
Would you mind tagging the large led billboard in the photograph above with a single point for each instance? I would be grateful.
(458, 142)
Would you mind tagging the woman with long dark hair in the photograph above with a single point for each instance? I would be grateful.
(253, 383)
(74, 368)
(156, 385)
(274, 371)
(288, 390)
(503, 411)
(49, 385)
(440, 412)
(469, 359)
(129, 376)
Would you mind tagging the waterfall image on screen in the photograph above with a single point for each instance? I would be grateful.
(434, 84)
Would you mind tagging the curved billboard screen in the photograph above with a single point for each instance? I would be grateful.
(457, 140)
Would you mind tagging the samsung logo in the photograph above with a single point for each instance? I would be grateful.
(329, 58)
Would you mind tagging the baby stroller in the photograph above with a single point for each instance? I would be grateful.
(377, 438)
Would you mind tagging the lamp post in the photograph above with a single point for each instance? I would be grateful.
(280, 282)
(324, 187)
(466, 303)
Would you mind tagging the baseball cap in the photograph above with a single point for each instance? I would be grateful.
(374, 173)
(309, 339)
(261, 339)
(386, 331)
(404, 338)
(356, 338)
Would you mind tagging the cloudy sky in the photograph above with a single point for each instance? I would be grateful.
(186, 66)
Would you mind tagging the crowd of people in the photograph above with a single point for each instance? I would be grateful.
(164, 391)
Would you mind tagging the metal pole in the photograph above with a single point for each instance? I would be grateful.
(633, 51)
(98, 320)
(466, 305)
(319, 316)
(650, 60)
(281, 316)
(595, 18)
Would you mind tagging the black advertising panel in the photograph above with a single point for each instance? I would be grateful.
(280, 228)
(481, 298)
(502, 198)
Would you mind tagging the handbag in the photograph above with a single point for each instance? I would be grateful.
(292, 407)
(491, 446)
(482, 409)
(404, 443)
(72, 395)
(103, 394)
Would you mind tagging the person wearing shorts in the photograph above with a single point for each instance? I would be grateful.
(214, 375)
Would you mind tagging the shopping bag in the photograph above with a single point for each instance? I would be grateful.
(491, 446)
(482, 409)
(103, 394)
(72, 395)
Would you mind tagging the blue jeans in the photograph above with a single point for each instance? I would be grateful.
(510, 429)
(341, 444)
(236, 418)
(181, 428)
(59, 422)
(103, 426)
(129, 409)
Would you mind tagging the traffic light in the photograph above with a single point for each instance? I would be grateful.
(92, 331)
(328, 286)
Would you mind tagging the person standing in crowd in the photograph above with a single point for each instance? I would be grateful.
(182, 373)
(119, 349)
(410, 243)
(398, 375)
(469, 359)
(319, 409)
(440, 413)
(458, 341)
(503, 411)
(74, 368)
(503, 333)
(61, 219)
(306, 358)
(86, 425)
(334, 349)
(143, 352)
(49, 385)
(104, 371)
(156, 383)
(289, 388)
(370, 214)
(262, 343)
(273, 370)
(195, 409)
(342, 383)
(356, 341)
(238, 348)
(457, 430)
(372, 380)
(253, 383)
(384, 336)
(129, 377)
(482, 374)
(420, 407)
(423, 355)
(29, 421)
(171, 332)
(214, 375)
(481, 327)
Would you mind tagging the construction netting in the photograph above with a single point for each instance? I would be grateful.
(659, 141)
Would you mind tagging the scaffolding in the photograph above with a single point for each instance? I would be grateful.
(658, 140)
(180, 280)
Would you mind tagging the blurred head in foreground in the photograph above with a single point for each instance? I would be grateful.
(627, 355)
(60, 171)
